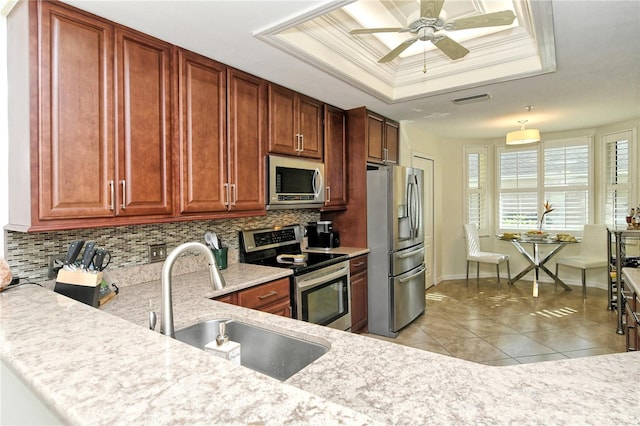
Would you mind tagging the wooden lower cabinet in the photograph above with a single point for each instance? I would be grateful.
(359, 313)
(272, 297)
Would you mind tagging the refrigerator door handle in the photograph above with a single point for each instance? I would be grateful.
(411, 254)
(414, 206)
(412, 276)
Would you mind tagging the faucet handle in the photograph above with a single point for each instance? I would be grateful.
(153, 319)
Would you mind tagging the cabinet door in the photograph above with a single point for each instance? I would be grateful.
(359, 302)
(283, 126)
(310, 113)
(143, 66)
(247, 121)
(335, 158)
(76, 160)
(375, 137)
(203, 153)
(391, 141)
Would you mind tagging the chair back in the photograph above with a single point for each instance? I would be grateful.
(473, 239)
(594, 241)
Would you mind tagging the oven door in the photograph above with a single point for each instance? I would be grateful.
(324, 296)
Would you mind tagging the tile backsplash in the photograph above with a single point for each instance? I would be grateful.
(129, 245)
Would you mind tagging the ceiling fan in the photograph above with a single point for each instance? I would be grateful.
(429, 25)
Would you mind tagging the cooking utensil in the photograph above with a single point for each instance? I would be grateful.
(212, 240)
(72, 253)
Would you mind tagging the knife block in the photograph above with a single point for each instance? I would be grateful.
(79, 285)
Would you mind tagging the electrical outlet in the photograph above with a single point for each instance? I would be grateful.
(157, 252)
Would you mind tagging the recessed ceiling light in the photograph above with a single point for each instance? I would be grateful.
(472, 99)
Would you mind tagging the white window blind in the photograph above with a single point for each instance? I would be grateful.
(518, 188)
(476, 188)
(566, 185)
(617, 157)
(558, 172)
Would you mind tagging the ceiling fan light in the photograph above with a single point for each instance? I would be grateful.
(520, 137)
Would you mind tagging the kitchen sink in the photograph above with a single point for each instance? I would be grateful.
(268, 352)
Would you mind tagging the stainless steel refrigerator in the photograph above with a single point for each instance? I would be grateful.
(395, 235)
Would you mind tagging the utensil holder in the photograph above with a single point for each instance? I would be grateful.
(221, 257)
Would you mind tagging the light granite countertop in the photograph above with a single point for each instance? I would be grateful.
(632, 276)
(104, 366)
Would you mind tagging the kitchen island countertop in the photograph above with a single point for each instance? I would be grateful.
(54, 344)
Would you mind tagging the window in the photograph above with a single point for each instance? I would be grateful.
(476, 188)
(558, 172)
(617, 174)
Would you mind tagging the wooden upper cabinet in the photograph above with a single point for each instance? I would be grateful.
(295, 123)
(76, 152)
(382, 139)
(335, 158)
(143, 81)
(247, 132)
(202, 129)
(391, 140)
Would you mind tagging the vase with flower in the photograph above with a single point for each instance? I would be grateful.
(547, 209)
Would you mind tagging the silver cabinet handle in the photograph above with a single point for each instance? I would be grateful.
(227, 194)
(112, 203)
(328, 200)
(123, 205)
(301, 142)
(298, 144)
(385, 154)
(234, 189)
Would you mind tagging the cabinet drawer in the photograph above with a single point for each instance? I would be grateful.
(265, 294)
(357, 265)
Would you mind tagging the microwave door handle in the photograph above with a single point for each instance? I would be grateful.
(317, 183)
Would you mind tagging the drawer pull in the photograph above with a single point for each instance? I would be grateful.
(271, 293)
(359, 264)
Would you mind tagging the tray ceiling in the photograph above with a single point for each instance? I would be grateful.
(321, 37)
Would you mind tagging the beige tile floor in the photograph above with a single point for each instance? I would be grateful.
(487, 326)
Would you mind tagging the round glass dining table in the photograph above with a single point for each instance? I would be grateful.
(535, 259)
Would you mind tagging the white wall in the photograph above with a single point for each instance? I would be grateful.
(449, 158)
(4, 135)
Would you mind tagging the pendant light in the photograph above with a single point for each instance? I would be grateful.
(523, 136)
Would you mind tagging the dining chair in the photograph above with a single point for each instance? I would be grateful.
(475, 255)
(593, 253)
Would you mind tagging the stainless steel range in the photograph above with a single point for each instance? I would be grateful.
(320, 286)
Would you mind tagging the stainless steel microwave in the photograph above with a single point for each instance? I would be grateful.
(294, 183)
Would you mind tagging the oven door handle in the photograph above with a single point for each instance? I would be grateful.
(328, 276)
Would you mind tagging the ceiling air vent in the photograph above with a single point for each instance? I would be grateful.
(472, 99)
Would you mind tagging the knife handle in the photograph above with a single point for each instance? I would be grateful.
(87, 257)
(74, 250)
(98, 261)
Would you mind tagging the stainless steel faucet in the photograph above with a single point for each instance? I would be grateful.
(217, 282)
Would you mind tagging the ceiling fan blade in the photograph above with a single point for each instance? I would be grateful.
(495, 19)
(376, 30)
(398, 50)
(430, 8)
(451, 48)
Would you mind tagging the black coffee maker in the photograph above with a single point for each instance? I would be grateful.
(321, 235)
